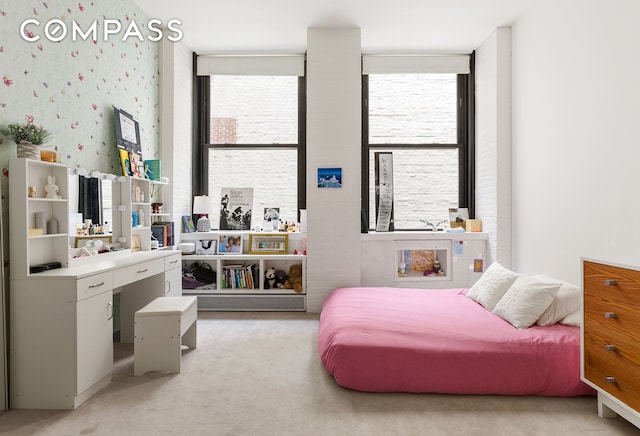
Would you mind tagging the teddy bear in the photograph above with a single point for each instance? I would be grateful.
(274, 278)
(270, 278)
(295, 278)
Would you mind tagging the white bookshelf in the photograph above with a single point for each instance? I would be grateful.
(223, 296)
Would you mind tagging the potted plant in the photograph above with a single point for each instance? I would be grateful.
(28, 138)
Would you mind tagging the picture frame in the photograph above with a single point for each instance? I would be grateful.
(135, 243)
(268, 243)
(458, 217)
(329, 177)
(230, 243)
(187, 222)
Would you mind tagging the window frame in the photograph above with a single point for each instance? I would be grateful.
(202, 145)
(465, 144)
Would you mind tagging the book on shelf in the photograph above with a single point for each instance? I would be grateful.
(238, 277)
(165, 232)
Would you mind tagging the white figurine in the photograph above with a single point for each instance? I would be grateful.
(51, 188)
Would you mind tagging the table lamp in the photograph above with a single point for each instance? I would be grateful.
(202, 206)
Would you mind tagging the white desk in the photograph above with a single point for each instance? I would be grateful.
(61, 326)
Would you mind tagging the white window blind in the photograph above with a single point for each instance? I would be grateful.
(251, 65)
(422, 64)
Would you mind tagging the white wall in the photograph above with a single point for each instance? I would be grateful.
(333, 141)
(493, 142)
(576, 147)
(176, 109)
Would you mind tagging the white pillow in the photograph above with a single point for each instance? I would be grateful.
(526, 300)
(493, 284)
(567, 301)
(574, 319)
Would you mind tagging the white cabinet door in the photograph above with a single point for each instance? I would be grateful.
(94, 351)
(173, 282)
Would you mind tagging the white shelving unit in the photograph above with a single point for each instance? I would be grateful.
(156, 194)
(39, 248)
(222, 296)
(462, 258)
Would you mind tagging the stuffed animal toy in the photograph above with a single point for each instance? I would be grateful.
(51, 188)
(281, 278)
(270, 278)
(295, 278)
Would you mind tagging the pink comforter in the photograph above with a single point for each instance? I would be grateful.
(426, 340)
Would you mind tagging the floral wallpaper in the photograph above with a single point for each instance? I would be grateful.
(69, 86)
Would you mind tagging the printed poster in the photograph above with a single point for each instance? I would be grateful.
(384, 191)
(235, 208)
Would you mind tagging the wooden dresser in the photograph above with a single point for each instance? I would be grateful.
(611, 337)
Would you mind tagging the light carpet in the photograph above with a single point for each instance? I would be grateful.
(260, 374)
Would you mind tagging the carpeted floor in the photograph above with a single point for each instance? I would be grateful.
(259, 374)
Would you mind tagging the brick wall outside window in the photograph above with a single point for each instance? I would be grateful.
(224, 131)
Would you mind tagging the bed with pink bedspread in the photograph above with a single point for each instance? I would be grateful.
(440, 341)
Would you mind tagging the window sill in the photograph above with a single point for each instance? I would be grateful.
(424, 235)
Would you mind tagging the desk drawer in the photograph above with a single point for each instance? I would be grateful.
(140, 271)
(172, 261)
(93, 285)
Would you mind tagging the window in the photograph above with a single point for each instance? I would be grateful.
(251, 133)
(423, 120)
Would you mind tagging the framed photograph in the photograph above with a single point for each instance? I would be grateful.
(329, 177)
(268, 243)
(271, 219)
(458, 217)
(135, 243)
(206, 246)
(230, 243)
(187, 221)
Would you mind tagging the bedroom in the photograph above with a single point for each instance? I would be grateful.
(573, 92)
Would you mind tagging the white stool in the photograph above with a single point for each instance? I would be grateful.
(161, 327)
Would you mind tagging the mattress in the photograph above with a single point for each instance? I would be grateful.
(438, 340)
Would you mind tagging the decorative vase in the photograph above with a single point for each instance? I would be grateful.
(28, 150)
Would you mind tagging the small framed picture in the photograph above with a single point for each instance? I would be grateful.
(271, 219)
(230, 243)
(135, 243)
(206, 246)
(458, 217)
(329, 177)
(268, 243)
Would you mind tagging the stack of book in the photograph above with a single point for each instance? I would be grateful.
(163, 232)
(239, 277)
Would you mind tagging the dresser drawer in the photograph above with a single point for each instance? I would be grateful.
(599, 364)
(94, 285)
(172, 261)
(137, 272)
(605, 314)
(606, 281)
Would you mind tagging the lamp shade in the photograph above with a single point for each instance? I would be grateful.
(201, 205)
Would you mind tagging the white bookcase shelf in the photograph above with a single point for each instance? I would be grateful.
(43, 248)
(256, 295)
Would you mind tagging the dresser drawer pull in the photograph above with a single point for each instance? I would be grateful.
(173, 262)
(610, 315)
(96, 286)
(610, 380)
(610, 282)
(142, 271)
(610, 347)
